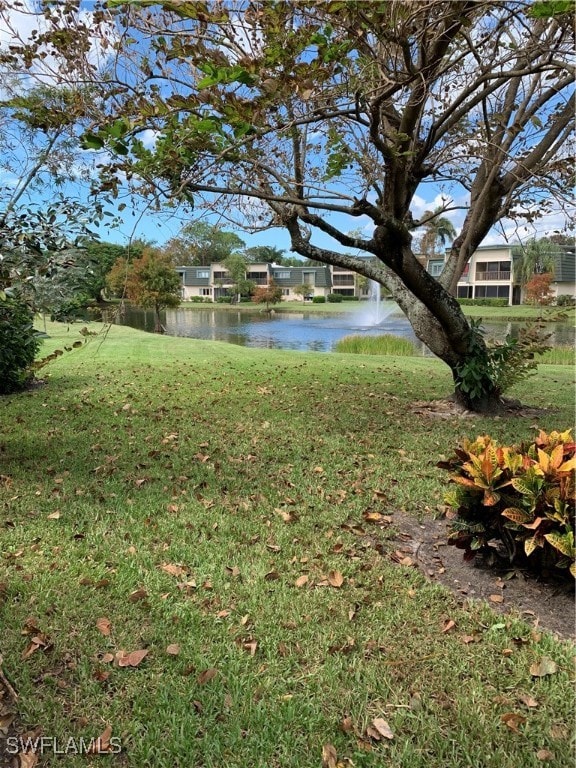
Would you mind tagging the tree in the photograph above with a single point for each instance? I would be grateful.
(265, 253)
(97, 259)
(323, 113)
(533, 258)
(149, 281)
(200, 244)
(538, 290)
(267, 294)
(303, 290)
(236, 267)
(437, 231)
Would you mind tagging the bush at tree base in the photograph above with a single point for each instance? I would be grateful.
(516, 500)
(19, 344)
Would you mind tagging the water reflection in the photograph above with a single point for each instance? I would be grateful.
(303, 331)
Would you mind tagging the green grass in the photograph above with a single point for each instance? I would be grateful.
(386, 344)
(558, 356)
(249, 469)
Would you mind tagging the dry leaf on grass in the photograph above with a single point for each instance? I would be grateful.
(329, 756)
(207, 675)
(104, 626)
(131, 659)
(383, 728)
(335, 579)
(546, 666)
(513, 720)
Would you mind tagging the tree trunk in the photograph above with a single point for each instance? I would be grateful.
(158, 327)
(456, 350)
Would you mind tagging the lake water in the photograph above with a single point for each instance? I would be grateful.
(304, 331)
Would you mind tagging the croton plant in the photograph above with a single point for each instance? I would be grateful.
(515, 501)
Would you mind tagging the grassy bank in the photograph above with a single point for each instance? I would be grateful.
(505, 314)
(229, 511)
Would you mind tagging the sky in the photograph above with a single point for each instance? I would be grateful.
(138, 220)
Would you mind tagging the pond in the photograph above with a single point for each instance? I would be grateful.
(304, 331)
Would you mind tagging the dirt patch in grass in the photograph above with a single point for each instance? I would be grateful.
(547, 605)
(449, 409)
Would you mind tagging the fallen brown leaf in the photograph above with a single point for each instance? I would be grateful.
(138, 594)
(103, 625)
(544, 755)
(207, 675)
(131, 659)
(545, 666)
(329, 756)
(513, 720)
(173, 570)
(102, 744)
(496, 598)
(529, 701)
(335, 579)
(448, 625)
(27, 759)
(173, 649)
(301, 580)
(383, 728)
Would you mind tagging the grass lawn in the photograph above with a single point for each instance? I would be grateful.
(211, 505)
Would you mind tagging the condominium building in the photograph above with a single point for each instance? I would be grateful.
(489, 274)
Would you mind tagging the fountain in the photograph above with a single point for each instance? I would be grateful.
(375, 298)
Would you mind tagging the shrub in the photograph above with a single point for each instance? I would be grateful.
(483, 302)
(334, 298)
(565, 300)
(319, 300)
(19, 343)
(350, 298)
(518, 501)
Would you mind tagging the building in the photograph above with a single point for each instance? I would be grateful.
(490, 274)
(213, 282)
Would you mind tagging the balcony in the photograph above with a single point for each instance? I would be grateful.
(497, 275)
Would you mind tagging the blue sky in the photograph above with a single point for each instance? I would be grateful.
(139, 221)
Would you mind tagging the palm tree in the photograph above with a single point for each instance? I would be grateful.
(437, 231)
(533, 258)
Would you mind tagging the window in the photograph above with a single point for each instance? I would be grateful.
(464, 292)
(309, 278)
(342, 280)
(205, 291)
(203, 273)
(220, 275)
(283, 275)
(435, 268)
(492, 292)
(285, 291)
